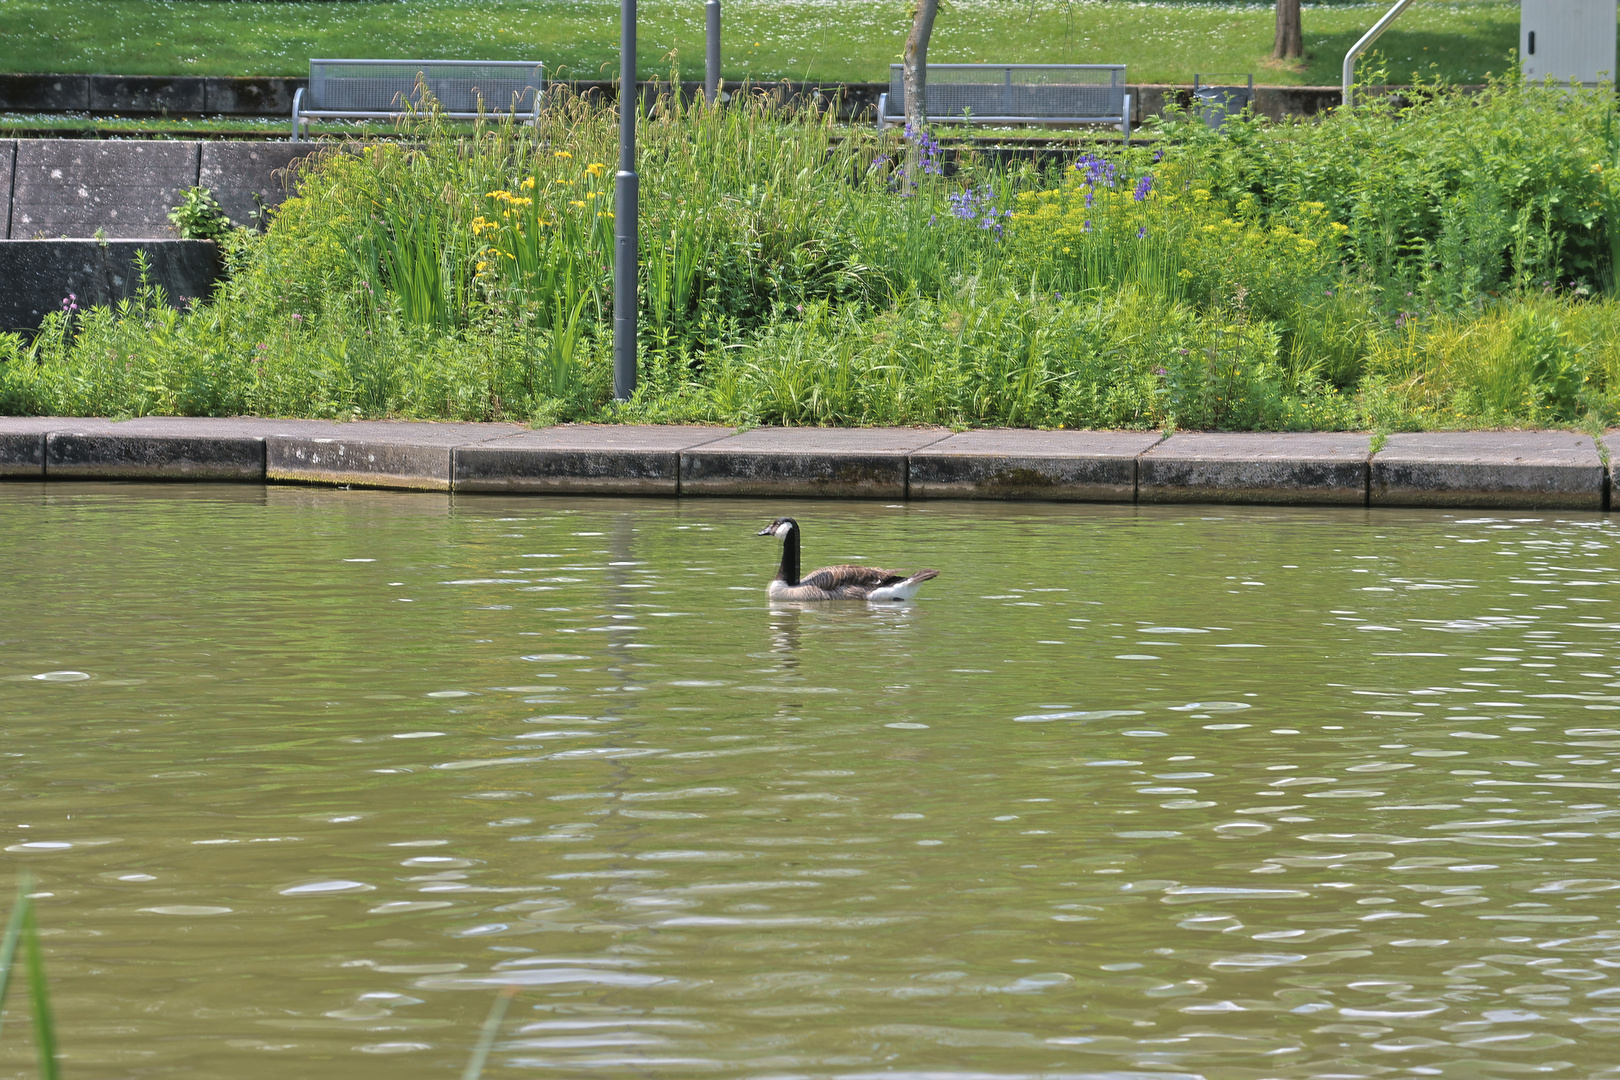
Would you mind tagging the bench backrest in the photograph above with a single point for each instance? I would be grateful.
(1017, 90)
(386, 85)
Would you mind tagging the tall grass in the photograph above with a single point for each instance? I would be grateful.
(23, 932)
(1442, 262)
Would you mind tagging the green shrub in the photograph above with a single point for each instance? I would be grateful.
(1433, 263)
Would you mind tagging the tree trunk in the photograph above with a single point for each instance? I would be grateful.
(1290, 41)
(914, 69)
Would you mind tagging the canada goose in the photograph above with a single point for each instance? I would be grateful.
(835, 582)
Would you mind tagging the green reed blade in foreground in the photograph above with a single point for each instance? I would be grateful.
(486, 1037)
(21, 928)
(8, 945)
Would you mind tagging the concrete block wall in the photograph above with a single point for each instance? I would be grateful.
(245, 176)
(51, 188)
(38, 274)
(72, 187)
(8, 164)
(154, 94)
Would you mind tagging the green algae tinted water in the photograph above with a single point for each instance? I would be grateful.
(303, 777)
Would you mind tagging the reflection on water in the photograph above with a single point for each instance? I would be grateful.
(304, 776)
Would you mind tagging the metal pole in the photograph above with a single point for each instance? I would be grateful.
(1361, 46)
(711, 65)
(626, 211)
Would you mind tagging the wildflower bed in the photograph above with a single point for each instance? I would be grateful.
(1447, 263)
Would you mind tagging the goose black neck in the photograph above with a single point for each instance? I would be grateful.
(789, 571)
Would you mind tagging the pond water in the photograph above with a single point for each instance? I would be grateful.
(302, 777)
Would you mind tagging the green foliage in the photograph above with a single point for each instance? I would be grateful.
(1437, 263)
(199, 216)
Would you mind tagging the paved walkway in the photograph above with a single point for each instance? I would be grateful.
(1488, 469)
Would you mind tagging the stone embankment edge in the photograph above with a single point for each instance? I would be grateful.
(1526, 470)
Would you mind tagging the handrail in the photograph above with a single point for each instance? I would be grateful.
(1361, 46)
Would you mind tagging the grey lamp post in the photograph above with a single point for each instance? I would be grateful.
(626, 212)
(711, 66)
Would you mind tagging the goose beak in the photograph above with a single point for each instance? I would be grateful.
(769, 530)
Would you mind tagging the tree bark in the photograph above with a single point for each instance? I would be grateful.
(1290, 40)
(914, 68)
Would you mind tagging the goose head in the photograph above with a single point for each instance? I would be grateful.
(780, 528)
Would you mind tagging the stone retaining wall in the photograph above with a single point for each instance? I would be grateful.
(72, 187)
(1510, 470)
(39, 276)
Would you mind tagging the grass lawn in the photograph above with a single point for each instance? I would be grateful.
(845, 40)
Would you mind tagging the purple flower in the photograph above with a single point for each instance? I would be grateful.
(1097, 170)
(1089, 197)
(1141, 232)
(1087, 226)
(1143, 186)
(1160, 371)
(1158, 156)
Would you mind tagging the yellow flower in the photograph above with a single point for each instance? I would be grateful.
(501, 194)
(521, 202)
(562, 154)
(595, 168)
(591, 195)
(528, 182)
(575, 202)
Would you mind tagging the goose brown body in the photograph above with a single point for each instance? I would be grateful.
(846, 582)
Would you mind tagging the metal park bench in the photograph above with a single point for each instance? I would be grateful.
(1016, 94)
(381, 89)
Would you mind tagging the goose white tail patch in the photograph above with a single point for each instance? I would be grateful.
(903, 590)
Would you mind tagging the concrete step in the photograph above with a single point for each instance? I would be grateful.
(1530, 470)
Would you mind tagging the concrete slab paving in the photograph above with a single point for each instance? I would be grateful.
(807, 462)
(1544, 470)
(1067, 466)
(583, 459)
(374, 453)
(1286, 468)
(167, 448)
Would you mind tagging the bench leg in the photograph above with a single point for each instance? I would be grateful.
(298, 100)
(883, 109)
(1127, 124)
